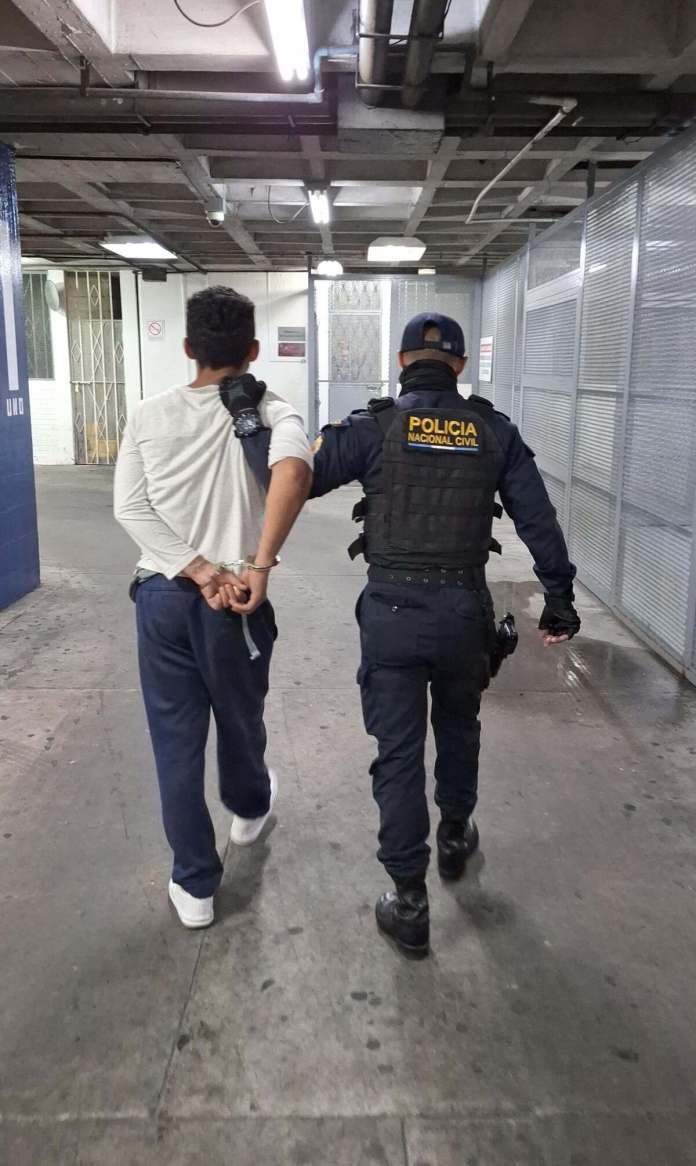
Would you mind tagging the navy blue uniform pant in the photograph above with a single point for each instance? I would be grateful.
(194, 660)
(414, 639)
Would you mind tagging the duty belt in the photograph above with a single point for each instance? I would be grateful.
(472, 578)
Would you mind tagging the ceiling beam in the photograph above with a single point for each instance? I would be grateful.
(311, 150)
(485, 152)
(684, 42)
(62, 23)
(437, 169)
(74, 146)
(28, 224)
(68, 174)
(531, 196)
(501, 23)
(62, 244)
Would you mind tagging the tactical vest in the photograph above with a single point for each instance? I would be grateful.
(435, 503)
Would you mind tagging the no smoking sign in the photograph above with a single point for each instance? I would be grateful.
(155, 329)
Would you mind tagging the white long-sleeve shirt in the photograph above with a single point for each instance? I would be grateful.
(183, 486)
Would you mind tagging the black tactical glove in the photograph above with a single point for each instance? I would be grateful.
(559, 617)
(241, 397)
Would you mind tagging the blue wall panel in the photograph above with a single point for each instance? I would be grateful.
(19, 547)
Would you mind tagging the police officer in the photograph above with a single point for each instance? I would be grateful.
(430, 464)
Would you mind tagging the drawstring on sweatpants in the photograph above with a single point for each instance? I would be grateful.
(254, 653)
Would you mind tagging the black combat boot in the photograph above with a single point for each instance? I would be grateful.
(456, 842)
(404, 917)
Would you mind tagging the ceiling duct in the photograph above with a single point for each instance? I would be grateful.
(427, 21)
(109, 98)
(374, 30)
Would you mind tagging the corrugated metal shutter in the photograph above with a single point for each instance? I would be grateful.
(556, 255)
(547, 387)
(489, 314)
(550, 348)
(604, 356)
(611, 409)
(547, 428)
(654, 579)
(504, 347)
(659, 471)
(519, 342)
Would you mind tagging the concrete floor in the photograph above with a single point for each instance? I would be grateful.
(554, 1022)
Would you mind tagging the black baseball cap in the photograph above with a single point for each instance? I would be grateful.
(451, 336)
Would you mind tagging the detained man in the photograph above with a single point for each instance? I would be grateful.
(209, 535)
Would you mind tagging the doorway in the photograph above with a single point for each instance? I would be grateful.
(352, 345)
(359, 323)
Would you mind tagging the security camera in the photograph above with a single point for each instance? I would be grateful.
(215, 210)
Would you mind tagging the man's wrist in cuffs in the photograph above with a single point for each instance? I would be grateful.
(262, 561)
(201, 571)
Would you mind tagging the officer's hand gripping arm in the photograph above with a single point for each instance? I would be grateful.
(242, 396)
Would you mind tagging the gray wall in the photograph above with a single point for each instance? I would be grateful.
(594, 329)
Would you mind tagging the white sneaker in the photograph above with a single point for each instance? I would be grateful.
(244, 831)
(192, 912)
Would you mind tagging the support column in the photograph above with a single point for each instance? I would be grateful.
(19, 545)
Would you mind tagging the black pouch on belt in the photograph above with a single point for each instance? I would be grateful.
(506, 641)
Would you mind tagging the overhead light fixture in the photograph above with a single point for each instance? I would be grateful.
(320, 205)
(395, 250)
(330, 267)
(137, 247)
(288, 25)
(427, 271)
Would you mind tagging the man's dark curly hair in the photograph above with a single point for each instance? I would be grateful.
(220, 327)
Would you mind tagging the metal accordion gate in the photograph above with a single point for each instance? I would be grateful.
(95, 332)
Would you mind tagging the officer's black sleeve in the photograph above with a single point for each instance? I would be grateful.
(346, 452)
(523, 494)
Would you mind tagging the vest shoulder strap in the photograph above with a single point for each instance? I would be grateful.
(483, 406)
(382, 410)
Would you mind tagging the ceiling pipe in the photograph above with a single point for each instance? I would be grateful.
(105, 95)
(374, 29)
(567, 104)
(427, 21)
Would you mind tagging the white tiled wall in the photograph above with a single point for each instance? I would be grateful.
(51, 409)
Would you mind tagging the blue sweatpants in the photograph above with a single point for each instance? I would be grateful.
(194, 660)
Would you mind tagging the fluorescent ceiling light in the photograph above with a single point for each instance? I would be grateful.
(427, 271)
(395, 250)
(320, 205)
(330, 267)
(137, 247)
(288, 25)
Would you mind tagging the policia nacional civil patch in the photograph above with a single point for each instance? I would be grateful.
(439, 432)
